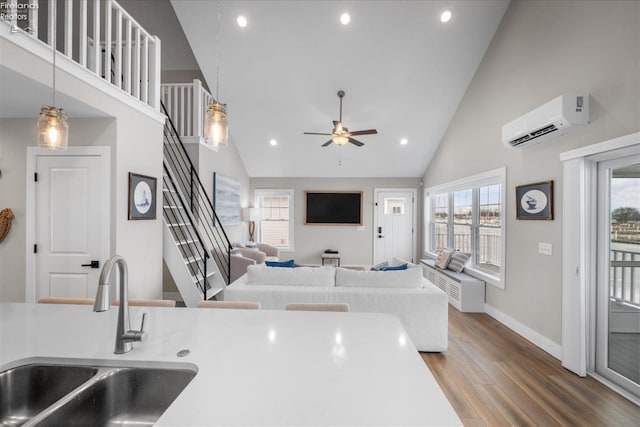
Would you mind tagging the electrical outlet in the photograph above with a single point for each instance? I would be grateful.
(545, 248)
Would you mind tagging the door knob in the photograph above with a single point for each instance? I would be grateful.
(93, 264)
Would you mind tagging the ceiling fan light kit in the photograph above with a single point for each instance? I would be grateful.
(340, 135)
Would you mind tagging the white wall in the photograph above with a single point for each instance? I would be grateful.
(135, 135)
(356, 247)
(541, 50)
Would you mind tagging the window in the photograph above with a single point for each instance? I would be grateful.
(467, 215)
(275, 227)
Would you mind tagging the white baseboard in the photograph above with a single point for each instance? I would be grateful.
(541, 341)
(172, 295)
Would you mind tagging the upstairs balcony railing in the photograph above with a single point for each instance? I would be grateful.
(187, 103)
(100, 36)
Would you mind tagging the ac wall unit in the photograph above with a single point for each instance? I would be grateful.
(552, 119)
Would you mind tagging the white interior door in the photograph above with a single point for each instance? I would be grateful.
(72, 223)
(394, 225)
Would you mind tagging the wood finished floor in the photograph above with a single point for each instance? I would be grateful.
(494, 377)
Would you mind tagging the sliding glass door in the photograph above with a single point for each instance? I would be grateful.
(617, 355)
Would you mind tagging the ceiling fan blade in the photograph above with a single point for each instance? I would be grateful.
(363, 132)
(315, 133)
(329, 142)
(356, 142)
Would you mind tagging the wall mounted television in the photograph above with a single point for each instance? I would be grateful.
(333, 208)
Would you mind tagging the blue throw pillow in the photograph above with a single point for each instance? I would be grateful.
(287, 264)
(397, 267)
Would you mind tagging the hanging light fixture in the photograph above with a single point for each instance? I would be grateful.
(53, 130)
(216, 122)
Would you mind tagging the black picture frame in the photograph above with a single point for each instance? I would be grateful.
(142, 196)
(535, 201)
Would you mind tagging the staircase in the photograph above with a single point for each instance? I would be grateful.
(195, 251)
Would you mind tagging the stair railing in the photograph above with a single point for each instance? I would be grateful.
(197, 201)
(182, 225)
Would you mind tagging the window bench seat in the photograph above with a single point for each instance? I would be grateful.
(466, 293)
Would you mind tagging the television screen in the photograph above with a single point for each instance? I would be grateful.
(339, 207)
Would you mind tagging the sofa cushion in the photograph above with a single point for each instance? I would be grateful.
(301, 276)
(409, 278)
(395, 262)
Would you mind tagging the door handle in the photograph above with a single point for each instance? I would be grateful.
(380, 236)
(93, 264)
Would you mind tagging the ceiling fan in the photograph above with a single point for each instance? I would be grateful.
(340, 135)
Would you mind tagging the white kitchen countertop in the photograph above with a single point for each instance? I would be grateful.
(255, 367)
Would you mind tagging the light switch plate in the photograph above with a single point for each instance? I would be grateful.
(545, 248)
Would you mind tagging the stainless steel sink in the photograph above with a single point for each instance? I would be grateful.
(123, 396)
(27, 390)
(79, 395)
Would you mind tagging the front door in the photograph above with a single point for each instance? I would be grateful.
(72, 229)
(618, 273)
(394, 225)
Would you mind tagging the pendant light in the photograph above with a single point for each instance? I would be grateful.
(216, 122)
(53, 130)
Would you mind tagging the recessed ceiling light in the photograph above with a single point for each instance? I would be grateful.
(404, 141)
(446, 16)
(345, 18)
(241, 21)
(273, 142)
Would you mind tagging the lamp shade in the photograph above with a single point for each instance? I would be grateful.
(251, 214)
(53, 130)
(216, 125)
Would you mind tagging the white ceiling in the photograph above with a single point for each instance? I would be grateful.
(404, 73)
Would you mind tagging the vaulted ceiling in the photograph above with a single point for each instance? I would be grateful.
(403, 70)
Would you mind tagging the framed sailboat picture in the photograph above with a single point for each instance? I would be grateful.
(142, 196)
(535, 201)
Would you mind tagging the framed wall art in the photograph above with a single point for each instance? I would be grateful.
(142, 196)
(535, 201)
(226, 199)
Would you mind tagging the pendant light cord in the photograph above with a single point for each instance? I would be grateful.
(55, 36)
(218, 56)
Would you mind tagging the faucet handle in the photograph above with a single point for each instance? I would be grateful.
(137, 336)
(142, 333)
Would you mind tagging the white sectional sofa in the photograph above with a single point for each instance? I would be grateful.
(406, 294)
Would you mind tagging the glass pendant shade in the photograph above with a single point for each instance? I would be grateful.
(340, 139)
(53, 130)
(216, 125)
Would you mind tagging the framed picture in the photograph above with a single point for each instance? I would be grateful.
(535, 201)
(226, 199)
(142, 196)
